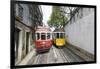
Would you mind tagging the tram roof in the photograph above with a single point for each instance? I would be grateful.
(59, 32)
(43, 29)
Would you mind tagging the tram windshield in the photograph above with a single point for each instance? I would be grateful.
(38, 36)
(59, 35)
(43, 36)
(48, 35)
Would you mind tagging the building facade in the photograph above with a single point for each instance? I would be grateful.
(80, 29)
(27, 17)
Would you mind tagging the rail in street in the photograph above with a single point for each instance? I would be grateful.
(59, 55)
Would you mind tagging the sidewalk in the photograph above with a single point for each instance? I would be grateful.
(28, 57)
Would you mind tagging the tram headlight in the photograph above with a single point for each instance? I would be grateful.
(43, 42)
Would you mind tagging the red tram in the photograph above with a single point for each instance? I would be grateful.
(43, 40)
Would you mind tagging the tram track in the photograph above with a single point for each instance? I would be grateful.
(83, 56)
(65, 58)
(41, 58)
(51, 58)
(68, 56)
(72, 55)
(59, 55)
(37, 58)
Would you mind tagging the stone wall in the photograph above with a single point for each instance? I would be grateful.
(80, 29)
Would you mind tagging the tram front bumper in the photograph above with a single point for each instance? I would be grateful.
(60, 42)
(43, 49)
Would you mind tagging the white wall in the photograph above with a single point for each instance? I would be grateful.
(81, 32)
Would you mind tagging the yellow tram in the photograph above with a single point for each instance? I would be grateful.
(59, 39)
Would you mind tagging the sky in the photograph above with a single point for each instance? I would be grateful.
(47, 10)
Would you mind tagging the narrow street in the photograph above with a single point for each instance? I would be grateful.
(58, 55)
(38, 27)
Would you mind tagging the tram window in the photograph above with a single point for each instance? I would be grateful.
(43, 37)
(57, 35)
(38, 36)
(54, 35)
(61, 35)
(48, 35)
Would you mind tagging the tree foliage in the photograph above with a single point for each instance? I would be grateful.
(57, 17)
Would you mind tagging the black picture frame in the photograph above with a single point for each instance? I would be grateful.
(12, 28)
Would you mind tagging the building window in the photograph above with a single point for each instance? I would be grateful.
(77, 14)
(74, 18)
(20, 11)
(71, 20)
(81, 12)
(27, 42)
